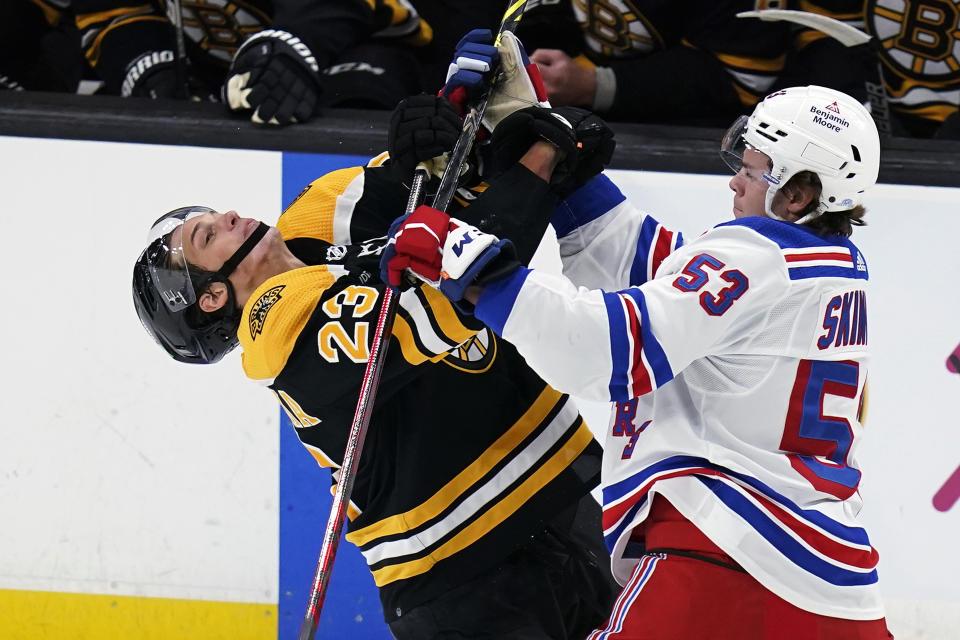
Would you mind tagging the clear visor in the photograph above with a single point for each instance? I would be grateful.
(733, 145)
(168, 264)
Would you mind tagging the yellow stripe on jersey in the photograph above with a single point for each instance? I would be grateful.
(937, 112)
(403, 333)
(493, 516)
(770, 65)
(84, 20)
(446, 316)
(92, 52)
(352, 510)
(746, 98)
(807, 37)
(313, 212)
(51, 14)
(852, 13)
(274, 317)
(377, 161)
(443, 498)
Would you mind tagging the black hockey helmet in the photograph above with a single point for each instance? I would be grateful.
(164, 294)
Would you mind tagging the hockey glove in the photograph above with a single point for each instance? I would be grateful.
(415, 243)
(8, 83)
(469, 74)
(153, 74)
(274, 74)
(444, 252)
(422, 129)
(519, 85)
(585, 140)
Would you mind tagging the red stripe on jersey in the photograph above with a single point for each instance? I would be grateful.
(851, 556)
(661, 249)
(639, 375)
(844, 257)
(613, 514)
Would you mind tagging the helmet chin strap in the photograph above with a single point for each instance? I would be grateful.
(243, 250)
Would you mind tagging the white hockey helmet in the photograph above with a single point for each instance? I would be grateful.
(810, 129)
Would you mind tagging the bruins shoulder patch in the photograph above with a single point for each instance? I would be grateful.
(260, 309)
(475, 355)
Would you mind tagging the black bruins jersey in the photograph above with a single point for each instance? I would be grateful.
(115, 32)
(673, 61)
(920, 51)
(468, 451)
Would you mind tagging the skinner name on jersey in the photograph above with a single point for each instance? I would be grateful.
(844, 320)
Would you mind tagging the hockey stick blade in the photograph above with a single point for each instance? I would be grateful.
(845, 34)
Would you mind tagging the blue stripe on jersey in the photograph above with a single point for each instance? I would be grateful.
(587, 203)
(610, 539)
(802, 273)
(783, 541)
(640, 266)
(619, 348)
(792, 236)
(651, 346)
(618, 490)
(496, 302)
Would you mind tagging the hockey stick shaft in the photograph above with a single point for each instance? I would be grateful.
(355, 439)
(176, 15)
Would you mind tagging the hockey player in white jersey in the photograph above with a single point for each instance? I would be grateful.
(738, 363)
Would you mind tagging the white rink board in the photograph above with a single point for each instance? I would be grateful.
(124, 472)
(913, 442)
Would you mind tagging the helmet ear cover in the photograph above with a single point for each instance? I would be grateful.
(167, 306)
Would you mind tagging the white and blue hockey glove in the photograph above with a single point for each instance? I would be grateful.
(445, 252)
(274, 75)
(469, 74)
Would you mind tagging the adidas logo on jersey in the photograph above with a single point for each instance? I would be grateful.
(861, 264)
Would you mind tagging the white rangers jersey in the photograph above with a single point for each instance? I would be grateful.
(738, 363)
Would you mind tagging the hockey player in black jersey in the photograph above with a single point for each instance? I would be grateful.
(473, 522)
(278, 61)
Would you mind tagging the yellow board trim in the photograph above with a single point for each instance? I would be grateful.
(495, 515)
(42, 615)
(463, 480)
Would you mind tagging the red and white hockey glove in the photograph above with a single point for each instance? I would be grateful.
(445, 252)
(415, 243)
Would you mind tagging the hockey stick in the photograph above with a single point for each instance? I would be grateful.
(175, 12)
(377, 357)
(358, 433)
(848, 36)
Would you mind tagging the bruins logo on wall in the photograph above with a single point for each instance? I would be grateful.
(260, 309)
(920, 39)
(475, 355)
